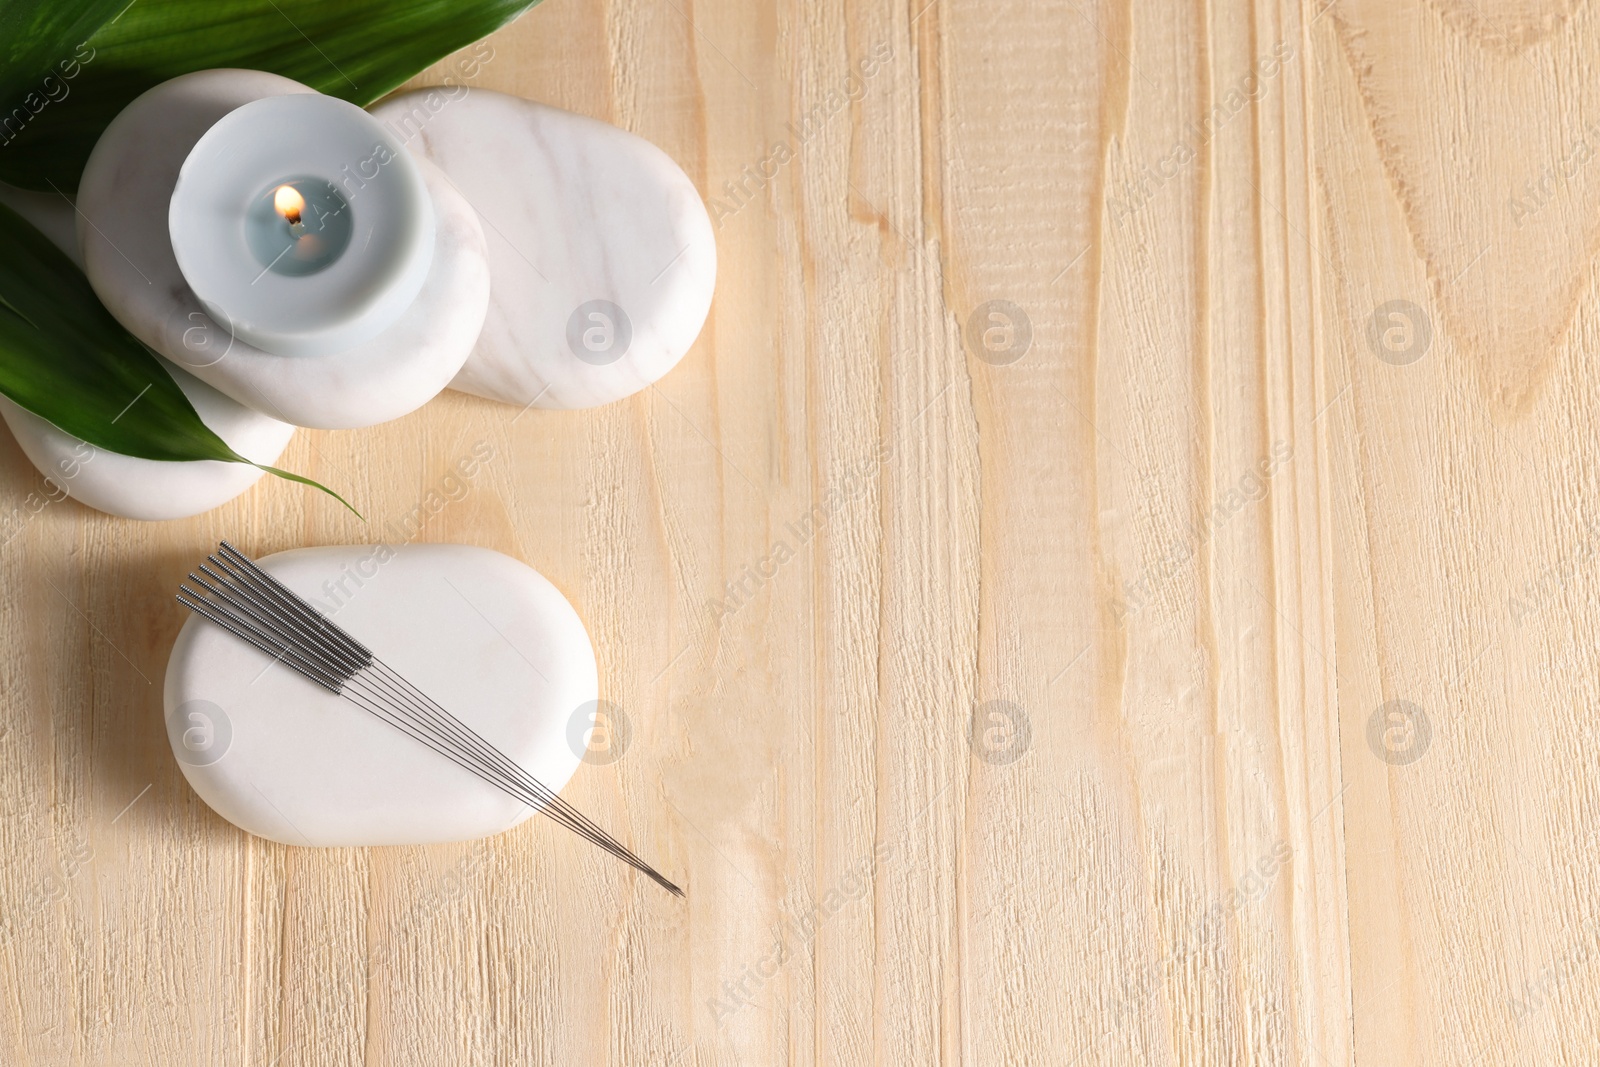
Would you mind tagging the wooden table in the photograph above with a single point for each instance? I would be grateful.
(1111, 584)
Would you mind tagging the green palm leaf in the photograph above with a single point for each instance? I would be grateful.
(64, 357)
(358, 50)
(38, 39)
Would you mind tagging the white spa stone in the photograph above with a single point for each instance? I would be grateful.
(582, 219)
(484, 635)
(124, 485)
(147, 488)
(123, 202)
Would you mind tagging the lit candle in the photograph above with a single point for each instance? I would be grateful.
(302, 225)
(301, 228)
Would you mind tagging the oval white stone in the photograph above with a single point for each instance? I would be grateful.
(123, 201)
(582, 219)
(124, 485)
(147, 488)
(484, 635)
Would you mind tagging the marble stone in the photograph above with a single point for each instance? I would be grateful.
(601, 252)
(127, 252)
(483, 634)
(148, 488)
(125, 485)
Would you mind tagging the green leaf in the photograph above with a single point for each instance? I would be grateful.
(38, 39)
(358, 50)
(65, 358)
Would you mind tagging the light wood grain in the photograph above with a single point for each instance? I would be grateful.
(1213, 520)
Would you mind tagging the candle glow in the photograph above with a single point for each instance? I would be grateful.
(288, 202)
(298, 226)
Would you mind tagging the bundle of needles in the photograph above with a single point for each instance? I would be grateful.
(248, 602)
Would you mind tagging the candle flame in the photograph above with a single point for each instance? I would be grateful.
(289, 203)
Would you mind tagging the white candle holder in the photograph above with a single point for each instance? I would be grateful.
(303, 223)
(125, 205)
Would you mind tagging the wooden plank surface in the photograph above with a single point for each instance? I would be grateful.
(1112, 584)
